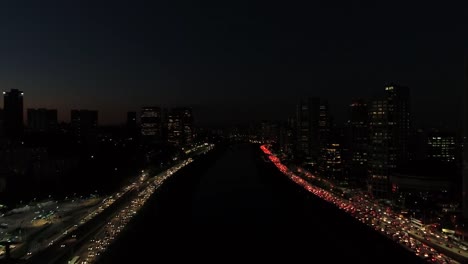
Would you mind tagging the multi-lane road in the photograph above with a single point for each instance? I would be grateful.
(427, 243)
(38, 224)
(90, 251)
(55, 231)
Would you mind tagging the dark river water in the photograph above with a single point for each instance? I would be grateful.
(231, 206)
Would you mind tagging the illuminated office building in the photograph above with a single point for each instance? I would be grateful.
(180, 126)
(389, 126)
(441, 147)
(151, 124)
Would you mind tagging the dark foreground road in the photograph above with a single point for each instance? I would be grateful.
(234, 207)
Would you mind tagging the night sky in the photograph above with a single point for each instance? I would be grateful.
(232, 60)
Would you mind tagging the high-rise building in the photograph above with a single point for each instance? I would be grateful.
(398, 99)
(180, 126)
(389, 125)
(325, 124)
(42, 120)
(84, 125)
(417, 146)
(151, 124)
(328, 146)
(188, 127)
(331, 165)
(269, 131)
(174, 127)
(286, 136)
(13, 113)
(307, 130)
(441, 147)
(131, 125)
(357, 132)
(313, 130)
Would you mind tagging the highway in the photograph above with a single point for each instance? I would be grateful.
(102, 238)
(424, 242)
(90, 235)
(37, 224)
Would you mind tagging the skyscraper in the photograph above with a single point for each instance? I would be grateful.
(187, 123)
(399, 119)
(441, 147)
(357, 141)
(13, 113)
(307, 130)
(269, 131)
(151, 124)
(174, 127)
(180, 126)
(42, 120)
(84, 125)
(325, 124)
(313, 130)
(331, 165)
(286, 136)
(388, 140)
(330, 149)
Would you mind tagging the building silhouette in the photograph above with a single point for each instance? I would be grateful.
(152, 124)
(269, 131)
(331, 163)
(84, 125)
(42, 120)
(175, 128)
(286, 138)
(180, 126)
(188, 126)
(13, 113)
(325, 124)
(132, 125)
(357, 140)
(441, 147)
(307, 130)
(389, 125)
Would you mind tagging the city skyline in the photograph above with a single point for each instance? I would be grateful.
(246, 129)
(339, 113)
(220, 56)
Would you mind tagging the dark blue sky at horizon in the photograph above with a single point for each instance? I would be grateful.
(235, 60)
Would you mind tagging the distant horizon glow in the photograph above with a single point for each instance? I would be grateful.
(240, 61)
